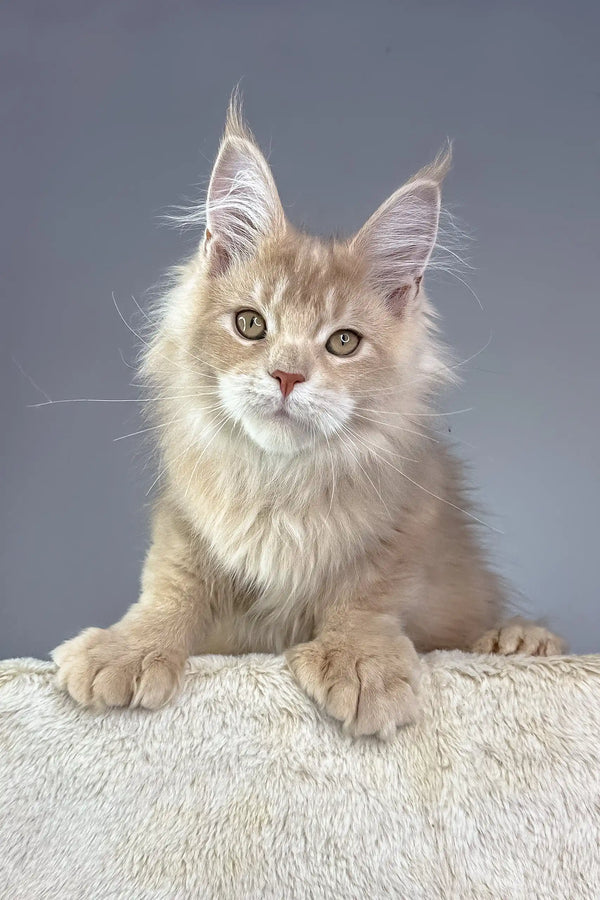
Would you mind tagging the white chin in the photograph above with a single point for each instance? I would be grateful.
(283, 437)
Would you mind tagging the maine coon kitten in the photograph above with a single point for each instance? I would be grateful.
(306, 505)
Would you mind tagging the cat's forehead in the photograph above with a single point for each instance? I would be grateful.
(315, 279)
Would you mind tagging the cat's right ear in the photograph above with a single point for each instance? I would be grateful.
(242, 206)
(397, 241)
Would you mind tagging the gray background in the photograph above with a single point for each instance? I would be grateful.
(111, 112)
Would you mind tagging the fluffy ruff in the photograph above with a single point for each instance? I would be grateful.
(242, 789)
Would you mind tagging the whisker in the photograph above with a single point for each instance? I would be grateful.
(430, 493)
(124, 361)
(332, 466)
(30, 380)
(386, 450)
(167, 466)
(142, 431)
(206, 446)
(452, 412)
(355, 457)
(164, 468)
(414, 415)
(114, 400)
(399, 427)
(163, 424)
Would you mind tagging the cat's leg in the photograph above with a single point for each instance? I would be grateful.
(520, 636)
(140, 660)
(362, 670)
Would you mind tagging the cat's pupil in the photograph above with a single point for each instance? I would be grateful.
(250, 324)
(344, 338)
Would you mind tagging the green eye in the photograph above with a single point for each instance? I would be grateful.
(251, 324)
(343, 342)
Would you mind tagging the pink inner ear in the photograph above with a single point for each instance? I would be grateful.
(399, 298)
(219, 259)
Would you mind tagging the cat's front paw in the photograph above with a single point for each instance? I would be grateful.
(107, 667)
(371, 691)
(519, 636)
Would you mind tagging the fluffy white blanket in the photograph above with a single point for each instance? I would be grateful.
(242, 789)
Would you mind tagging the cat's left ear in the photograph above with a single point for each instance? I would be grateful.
(242, 206)
(396, 242)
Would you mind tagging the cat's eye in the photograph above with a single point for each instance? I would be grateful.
(343, 342)
(251, 324)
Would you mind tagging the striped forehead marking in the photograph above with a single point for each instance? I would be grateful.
(330, 304)
(278, 292)
(257, 291)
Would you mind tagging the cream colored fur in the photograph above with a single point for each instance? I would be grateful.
(243, 790)
(332, 524)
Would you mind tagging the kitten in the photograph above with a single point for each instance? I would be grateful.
(306, 505)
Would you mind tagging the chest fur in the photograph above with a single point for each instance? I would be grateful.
(297, 545)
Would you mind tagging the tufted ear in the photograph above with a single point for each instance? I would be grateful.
(396, 242)
(242, 205)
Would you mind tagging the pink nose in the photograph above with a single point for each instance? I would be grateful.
(287, 380)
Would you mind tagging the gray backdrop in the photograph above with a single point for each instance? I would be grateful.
(111, 112)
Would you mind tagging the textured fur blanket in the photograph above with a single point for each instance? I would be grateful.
(242, 789)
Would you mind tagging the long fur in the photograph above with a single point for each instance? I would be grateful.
(333, 525)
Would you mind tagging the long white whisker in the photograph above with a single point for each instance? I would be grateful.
(399, 427)
(349, 437)
(332, 466)
(206, 446)
(142, 431)
(177, 418)
(30, 380)
(413, 415)
(115, 400)
(427, 491)
(164, 468)
(179, 455)
(452, 412)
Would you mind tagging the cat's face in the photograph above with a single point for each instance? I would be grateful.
(295, 342)
(300, 347)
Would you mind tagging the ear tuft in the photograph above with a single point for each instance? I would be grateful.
(242, 205)
(438, 168)
(235, 126)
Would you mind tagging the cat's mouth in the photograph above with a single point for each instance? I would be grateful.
(284, 414)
